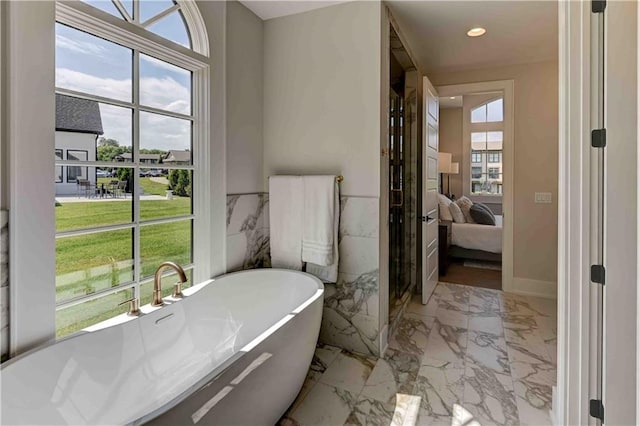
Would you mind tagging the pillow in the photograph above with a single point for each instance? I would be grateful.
(456, 213)
(481, 215)
(484, 206)
(443, 204)
(465, 204)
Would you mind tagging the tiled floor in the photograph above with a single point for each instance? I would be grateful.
(470, 356)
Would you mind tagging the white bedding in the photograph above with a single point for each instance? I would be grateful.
(478, 237)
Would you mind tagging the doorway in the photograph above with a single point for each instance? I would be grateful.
(479, 153)
(403, 167)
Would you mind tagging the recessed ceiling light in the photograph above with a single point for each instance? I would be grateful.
(476, 32)
(452, 97)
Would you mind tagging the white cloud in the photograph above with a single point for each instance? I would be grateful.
(157, 131)
(79, 46)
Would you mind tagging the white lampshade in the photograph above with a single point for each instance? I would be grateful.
(455, 169)
(444, 162)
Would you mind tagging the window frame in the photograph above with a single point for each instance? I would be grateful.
(84, 175)
(61, 168)
(89, 22)
(470, 127)
(30, 143)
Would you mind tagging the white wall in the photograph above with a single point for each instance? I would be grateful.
(78, 142)
(535, 226)
(322, 95)
(244, 55)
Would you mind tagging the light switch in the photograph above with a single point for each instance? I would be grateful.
(543, 198)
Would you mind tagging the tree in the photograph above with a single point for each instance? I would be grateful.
(107, 142)
(180, 182)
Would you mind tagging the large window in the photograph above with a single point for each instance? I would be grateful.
(487, 124)
(123, 116)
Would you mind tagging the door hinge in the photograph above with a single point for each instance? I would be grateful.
(599, 138)
(598, 6)
(596, 409)
(597, 274)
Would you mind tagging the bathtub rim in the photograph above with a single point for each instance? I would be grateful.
(245, 350)
(220, 369)
(148, 309)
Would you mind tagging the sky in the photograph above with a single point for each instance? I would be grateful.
(92, 65)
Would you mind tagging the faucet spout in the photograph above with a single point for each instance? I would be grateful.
(157, 281)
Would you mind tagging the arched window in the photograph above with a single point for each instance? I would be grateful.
(487, 131)
(131, 152)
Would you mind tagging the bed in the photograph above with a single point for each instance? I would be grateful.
(473, 241)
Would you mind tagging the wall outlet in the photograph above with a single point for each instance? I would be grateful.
(543, 198)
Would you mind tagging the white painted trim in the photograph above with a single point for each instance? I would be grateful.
(528, 287)
(31, 209)
(506, 87)
(573, 214)
(82, 16)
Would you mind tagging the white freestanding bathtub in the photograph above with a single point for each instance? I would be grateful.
(235, 350)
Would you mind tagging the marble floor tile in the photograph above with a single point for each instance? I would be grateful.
(485, 300)
(452, 317)
(322, 359)
(348, 371)
(526, 345)
(440, 385)
(488, 350)
(394, 374)
(411, 334)
(489, 396)
(446, 342)
(452, 296)
(526, 305)
(368, 411)
(533, 398)
(488, 322)
(324, 405)
(428, 310)
(547, 307)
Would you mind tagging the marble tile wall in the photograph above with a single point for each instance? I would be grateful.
(351, 306)
(247, 232)
(4, 285)
(351, 313)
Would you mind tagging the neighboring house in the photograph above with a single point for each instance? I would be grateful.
(176, 157)
(144, 158)
(78, 125)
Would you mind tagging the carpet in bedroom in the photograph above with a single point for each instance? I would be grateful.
(457, 273)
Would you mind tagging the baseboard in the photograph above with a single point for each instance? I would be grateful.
(528, 287)
(554, 407)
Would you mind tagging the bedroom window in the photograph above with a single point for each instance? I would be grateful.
(128, 117)
(486, 147)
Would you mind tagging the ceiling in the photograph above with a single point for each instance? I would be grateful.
(517, 32)
(268, 9)
(448, 102)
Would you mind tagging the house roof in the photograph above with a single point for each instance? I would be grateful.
(127, 156)
(176, 156)
(78, 115)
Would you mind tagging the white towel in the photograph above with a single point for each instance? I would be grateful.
(320, 227)
(318, 219)
(286, 203)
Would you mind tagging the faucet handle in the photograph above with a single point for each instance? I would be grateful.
(134, 306)
(177, 290)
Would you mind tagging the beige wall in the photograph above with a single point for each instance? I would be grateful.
(322, 95)
(536, 161)
(244, 64)
(451, 142)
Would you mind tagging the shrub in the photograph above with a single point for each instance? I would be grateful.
(180, 182)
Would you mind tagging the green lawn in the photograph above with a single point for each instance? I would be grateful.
(89, 263)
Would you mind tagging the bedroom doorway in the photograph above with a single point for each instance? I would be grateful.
(476, 177)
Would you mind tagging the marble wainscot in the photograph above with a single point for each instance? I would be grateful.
(4, 285)
(352, 305)
(247, 231)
